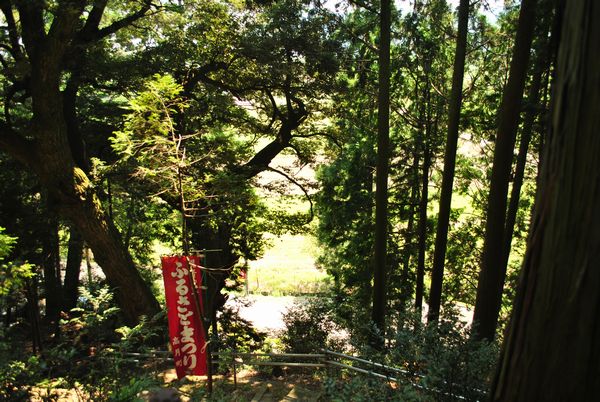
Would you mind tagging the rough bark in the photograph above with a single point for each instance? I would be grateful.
(441, 236)
(79, 204)
(552, 346)
(381, 191)
(491, 277)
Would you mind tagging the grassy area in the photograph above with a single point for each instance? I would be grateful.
(287, 268)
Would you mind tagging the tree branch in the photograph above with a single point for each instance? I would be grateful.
(91, 32)
(32, 22)
(13, 33)
(362, 4)
(276, 112)
(16, 146)
(320, 134)
(93, 21)
(292, 180)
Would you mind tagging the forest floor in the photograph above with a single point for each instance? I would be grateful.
(254, 385)
(251, 385)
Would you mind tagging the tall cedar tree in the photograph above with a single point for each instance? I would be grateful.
(493, 271)
(441, 238)
(532, 111)
(383, 153)
(552, 347)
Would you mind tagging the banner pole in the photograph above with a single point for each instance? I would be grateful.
(205, 326)
(209, 376)
(202, 321)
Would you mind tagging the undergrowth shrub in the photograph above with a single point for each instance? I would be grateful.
(435, 362)
(444, 358)
(310, 326)
(90, 355)
(237, 333)
(17, 377)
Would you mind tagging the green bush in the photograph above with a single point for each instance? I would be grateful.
(440, 363)
(444, 358)
(236, 332)
(310, 326)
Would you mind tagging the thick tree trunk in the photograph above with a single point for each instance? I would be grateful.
(74, 259)
(381, 191)
(552, 346)
(79, 204)
(73, 195)
(441, 237)
(218, 256)
(491, 276)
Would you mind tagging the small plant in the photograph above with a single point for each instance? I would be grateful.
(95, 318)
(131, 391)
(17, 377)
(438, 363)
(149, 332)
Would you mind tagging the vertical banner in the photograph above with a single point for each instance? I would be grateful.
(185, 323)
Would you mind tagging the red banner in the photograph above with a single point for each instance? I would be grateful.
(185, 323)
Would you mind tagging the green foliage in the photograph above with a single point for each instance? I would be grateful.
(147, 333)
(149, 135)
(17, 377)
(344, 208)
(444, 359)
(6, 244)
(364, 389)
(440, 363)
(12, 275)
(94, 319)
(91, 353)
(310, 327)
(177, 104)
(236, 333)
(131, 391)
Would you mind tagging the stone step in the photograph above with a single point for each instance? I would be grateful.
(262, 394)
(299, 393)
